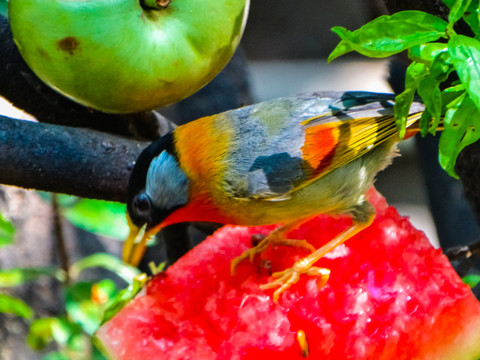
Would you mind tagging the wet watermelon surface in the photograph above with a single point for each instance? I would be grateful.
(390, 295)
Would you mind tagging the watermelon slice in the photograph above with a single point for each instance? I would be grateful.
(390, 295)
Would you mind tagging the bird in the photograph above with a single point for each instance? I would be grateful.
(281, 161)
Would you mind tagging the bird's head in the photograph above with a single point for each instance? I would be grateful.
(157, 187)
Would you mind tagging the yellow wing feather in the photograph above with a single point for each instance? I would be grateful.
(354, 138)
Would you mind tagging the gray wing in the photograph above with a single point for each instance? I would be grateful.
(265, 158)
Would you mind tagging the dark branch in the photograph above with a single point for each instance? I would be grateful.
(75, 161)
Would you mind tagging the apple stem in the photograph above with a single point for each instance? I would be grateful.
(155, 4)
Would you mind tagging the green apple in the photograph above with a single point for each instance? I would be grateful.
(122, 56)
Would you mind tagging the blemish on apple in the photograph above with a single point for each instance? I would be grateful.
(43, 53)
(68, 44)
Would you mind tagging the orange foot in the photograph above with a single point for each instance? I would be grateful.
(276, 237)
(286, 278)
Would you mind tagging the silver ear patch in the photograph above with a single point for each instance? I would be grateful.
(167, 184)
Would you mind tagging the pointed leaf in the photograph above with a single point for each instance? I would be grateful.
(461, 128)
(7, 232)
(15, 306)
(46, 330)
(40, 333)
(415, 73)
(18, 276)
(388, 35)
(470, 16)
(457, 11)
(343, 46)
(56, 356)
(106, 261)
(465, 54)
(100, 217)
(124, 297)
(425, 121)
(429, 91)
(471, 280)
(426, 52)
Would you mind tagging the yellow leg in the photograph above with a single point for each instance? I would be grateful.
(276, 237)
(286, 278)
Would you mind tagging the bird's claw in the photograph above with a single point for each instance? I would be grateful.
(274, 238)
(250, 254)
(304, 244)
(286, 278)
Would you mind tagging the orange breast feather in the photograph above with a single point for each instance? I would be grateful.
(200, 147)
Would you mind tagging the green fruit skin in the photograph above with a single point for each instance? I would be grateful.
(3, 8)
(117, 57)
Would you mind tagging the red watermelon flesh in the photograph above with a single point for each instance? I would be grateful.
(390, 295)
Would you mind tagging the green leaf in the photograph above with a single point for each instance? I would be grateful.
(15, 306)
(156, 269)
(454, 91)
(344, 46)
(426, 52)
(106, 261)
(18, 276)
(104, 218)
(389, 35)
(40, 333)
(471, 280)
(425, 121)
(415, 73)
(124, 297)
(56, 356)
(46, 330)
(97, 354)
(457, 11)
(465, 54)
(62, 199)
(7, 232)
(85, 303)
(78, 343)
(461, 128)
(452, 96)
(429, 91)
(470, 16)
(100, 217)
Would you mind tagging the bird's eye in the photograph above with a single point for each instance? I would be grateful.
(142, 203)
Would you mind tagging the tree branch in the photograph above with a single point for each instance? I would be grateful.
(61, 159)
